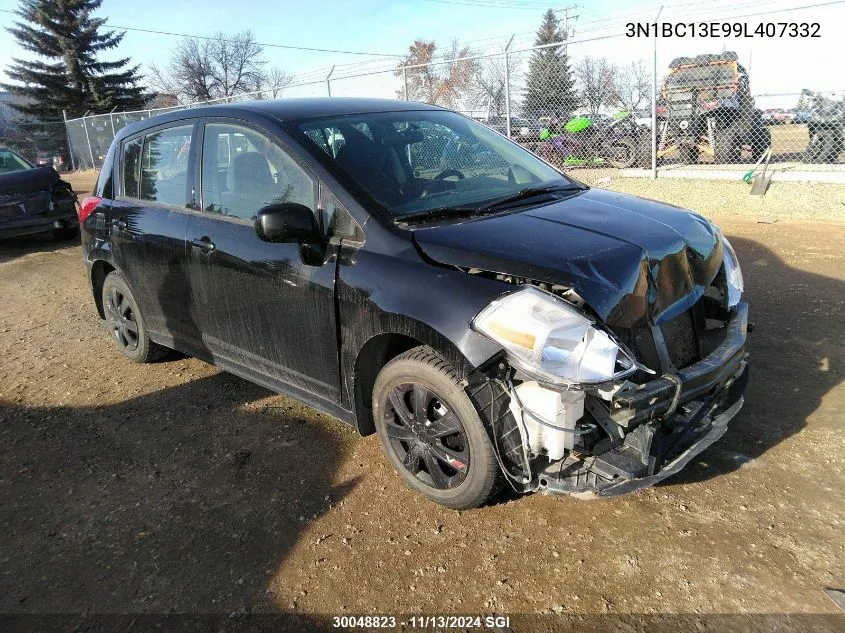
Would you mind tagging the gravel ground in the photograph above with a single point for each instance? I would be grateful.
(174, 487)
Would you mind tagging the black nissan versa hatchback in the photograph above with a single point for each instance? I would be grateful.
(418, 275)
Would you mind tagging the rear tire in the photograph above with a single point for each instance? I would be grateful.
(688, 155)
(431, 432)
(125, 322)
(761, 140)
(825, 146)
(728, 144)
(623, 153)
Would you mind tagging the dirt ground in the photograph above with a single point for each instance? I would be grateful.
(175, 488)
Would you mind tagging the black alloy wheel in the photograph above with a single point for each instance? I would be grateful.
(432, 433)
(121, 320)
(126, 323)
(427, 436)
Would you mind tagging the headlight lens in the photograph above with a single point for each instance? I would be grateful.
(733, 272)
(551, 340)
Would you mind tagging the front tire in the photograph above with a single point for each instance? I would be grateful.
(623, 153)
(728, 148)
(431, 432)
(125, 322)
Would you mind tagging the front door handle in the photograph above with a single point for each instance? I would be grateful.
(203, 243)
(119, 223)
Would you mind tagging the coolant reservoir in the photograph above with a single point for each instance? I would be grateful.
(549, 417)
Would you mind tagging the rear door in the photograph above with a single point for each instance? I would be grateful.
(148, 220)
(267, 307)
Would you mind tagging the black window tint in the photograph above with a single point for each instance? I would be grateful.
(164, 165)
(129, 167)
(244, 171)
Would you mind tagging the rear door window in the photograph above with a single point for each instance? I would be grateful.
(164, 166)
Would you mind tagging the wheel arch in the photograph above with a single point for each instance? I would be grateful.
(383, 347)
(99, 271)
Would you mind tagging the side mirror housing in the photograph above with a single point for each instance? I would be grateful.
(287, 222)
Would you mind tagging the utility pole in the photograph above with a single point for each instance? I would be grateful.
(567, 32)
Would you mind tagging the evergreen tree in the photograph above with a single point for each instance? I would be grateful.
(548, 86)
(68, 75)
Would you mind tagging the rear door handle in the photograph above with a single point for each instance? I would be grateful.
(203, 243)
(119, 223)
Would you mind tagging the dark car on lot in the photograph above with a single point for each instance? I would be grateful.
(34, 199)
(522, 130)
(417, 275)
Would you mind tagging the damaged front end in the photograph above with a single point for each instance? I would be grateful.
(588, 410)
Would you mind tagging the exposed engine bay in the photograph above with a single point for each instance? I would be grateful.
(606, 439)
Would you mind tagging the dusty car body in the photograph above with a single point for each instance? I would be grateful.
(34, 199)
(558, 337)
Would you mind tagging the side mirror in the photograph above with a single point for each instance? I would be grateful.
(287, 222)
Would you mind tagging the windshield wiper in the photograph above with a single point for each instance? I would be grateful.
(530, 192)
(439, 212)
(468, 211)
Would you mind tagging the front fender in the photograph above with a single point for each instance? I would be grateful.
(434, 305)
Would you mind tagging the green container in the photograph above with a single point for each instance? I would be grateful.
(578, 124)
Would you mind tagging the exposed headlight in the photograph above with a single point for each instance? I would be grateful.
(733, 272)
(551, 341)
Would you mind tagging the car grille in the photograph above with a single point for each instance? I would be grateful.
(681, 340)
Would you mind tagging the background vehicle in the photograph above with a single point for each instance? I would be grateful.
(34, 199)
(424, 278)
(825, 127)
(643, 117)
(802, 117)
(707, 108)
(522, 129)
(43, 159)
(60, 161)
(620, 142)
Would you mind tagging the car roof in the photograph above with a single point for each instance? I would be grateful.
(285, 109)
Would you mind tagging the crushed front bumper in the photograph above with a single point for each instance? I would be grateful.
(667, 422)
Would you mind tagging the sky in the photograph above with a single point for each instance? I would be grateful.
(385, 28)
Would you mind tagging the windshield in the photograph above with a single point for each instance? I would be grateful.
(9, 161)
(411, 162)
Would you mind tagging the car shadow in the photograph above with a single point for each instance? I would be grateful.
(12, 248)
(183, 500)
(796, 358)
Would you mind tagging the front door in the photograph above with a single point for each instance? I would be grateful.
(267, 307)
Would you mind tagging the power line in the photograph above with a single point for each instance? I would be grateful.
(226, 39)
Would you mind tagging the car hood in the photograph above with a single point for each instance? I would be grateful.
(32, 192)
(635, 262)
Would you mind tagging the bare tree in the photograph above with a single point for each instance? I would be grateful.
(222, 66)
(486, 90)
(633, 85)
(276, 80)
(597, 80)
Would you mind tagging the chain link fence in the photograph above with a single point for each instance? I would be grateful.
(37, 141)
(567, 103)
